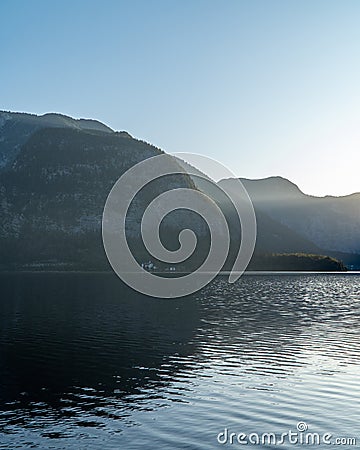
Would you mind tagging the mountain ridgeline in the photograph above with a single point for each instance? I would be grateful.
(56, 173)
(321, 225)
(53, 191)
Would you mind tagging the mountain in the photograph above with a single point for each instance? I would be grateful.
(56, 173)
(331, 224)
(274, 239)
(272, 236)
(16, 128)
(53, 187)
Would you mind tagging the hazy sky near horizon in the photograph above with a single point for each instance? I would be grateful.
(267, 87)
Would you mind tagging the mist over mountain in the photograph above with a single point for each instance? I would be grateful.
(332, 224)
(56, 173)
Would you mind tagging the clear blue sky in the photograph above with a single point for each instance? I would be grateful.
(267, 87)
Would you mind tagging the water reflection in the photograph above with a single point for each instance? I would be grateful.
(82, 352)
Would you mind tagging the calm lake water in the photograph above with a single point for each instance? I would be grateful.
(86, 363)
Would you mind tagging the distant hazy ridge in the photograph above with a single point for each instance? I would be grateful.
(56, 172)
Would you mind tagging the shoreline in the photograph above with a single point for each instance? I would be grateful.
(221, 273)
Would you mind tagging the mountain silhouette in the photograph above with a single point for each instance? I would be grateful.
(332, 224)
(56, 173)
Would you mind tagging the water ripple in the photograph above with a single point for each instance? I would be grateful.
(87, 363)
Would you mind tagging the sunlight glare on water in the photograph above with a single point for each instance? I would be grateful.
(89, 363)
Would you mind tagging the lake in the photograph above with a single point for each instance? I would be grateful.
(86, 363)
